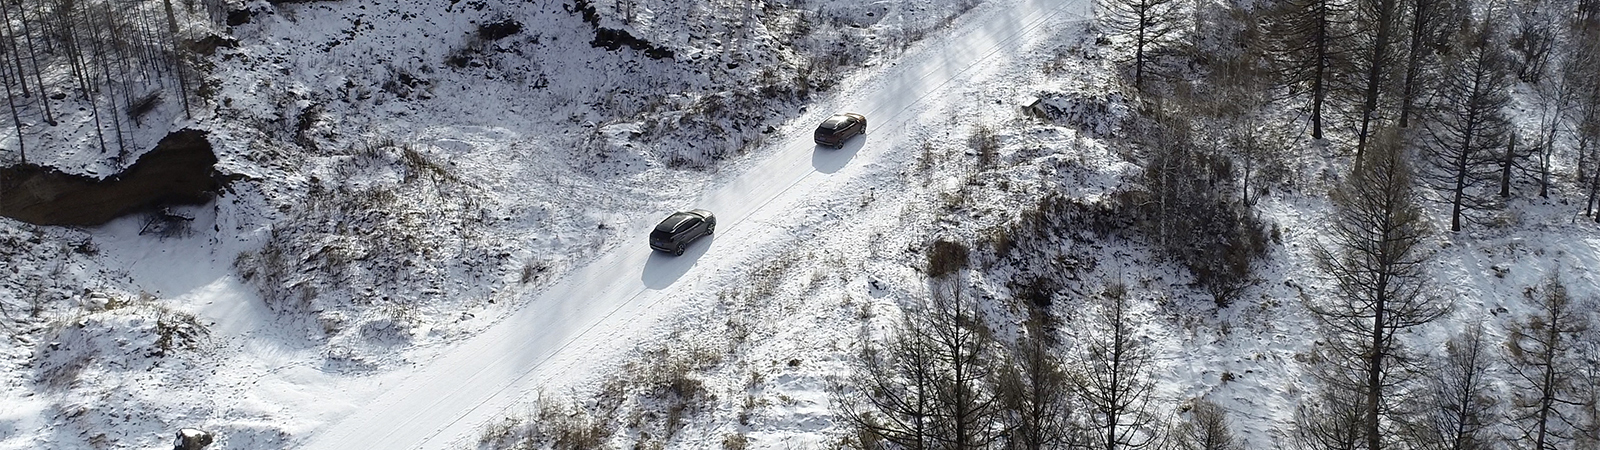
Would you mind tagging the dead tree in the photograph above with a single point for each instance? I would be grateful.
(1544, 367)
(1464, 404)
(1146, 24)
(1376, 262)
(1469, 126)
(1308, 47)
(1206, 428)
(1114, 377)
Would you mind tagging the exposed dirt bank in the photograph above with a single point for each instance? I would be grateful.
(180, 170)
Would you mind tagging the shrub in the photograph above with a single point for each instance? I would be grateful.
(501, 29)
(987, 144)
(554, 424)
(1196, 213)
(946, 257)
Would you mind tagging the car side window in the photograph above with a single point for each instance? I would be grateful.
(691, 224)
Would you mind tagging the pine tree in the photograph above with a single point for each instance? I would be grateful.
(1544, 368)
(1308, 44)
(1376, 262)
(1470, 126)
(1114, 377)
(1147, 25)
(1463, 402)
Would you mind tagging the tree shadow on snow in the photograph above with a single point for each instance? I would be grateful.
(663, 269)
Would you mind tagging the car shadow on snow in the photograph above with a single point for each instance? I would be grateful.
(830, 160)
(663, 269)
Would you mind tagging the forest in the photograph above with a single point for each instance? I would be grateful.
(1448, 107)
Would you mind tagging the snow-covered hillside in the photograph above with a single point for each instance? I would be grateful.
(411, 168)
(438, 237)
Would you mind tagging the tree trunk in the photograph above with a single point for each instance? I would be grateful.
(16, 56)
(1139, 44)
(1380, 49)
(16, 118)
(105, 69)
(1505, 167)
(33, 55)
(177, 58)
(1319, 89)
(1419, 19)
(1375, 371)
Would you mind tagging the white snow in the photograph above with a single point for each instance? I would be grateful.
(524, 276)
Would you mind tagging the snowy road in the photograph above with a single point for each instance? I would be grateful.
(447, 399)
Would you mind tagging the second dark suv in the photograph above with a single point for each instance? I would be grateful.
(682, 228)
(839, 128)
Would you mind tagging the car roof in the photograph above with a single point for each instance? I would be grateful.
(834, 122)
(675, 220)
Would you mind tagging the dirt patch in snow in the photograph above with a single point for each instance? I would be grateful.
(178, 171)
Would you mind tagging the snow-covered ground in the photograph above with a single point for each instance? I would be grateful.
(508, 273)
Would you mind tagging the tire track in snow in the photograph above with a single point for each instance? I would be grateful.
(450, 396)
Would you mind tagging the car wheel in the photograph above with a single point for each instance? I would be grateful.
(678, 251)
(711, 228)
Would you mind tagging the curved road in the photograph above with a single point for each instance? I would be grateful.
(449, 398)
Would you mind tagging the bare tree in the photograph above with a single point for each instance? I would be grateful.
(1588, 429)
(1431, 22)
(1196, 214)
(1206, 428)
(1376, 262)
(1469, 126)
(1545, 367)
(1114, 376)
(1534, 37)
(1463, 402)
(1307, 40)
(893, 399)
(1379, 18)
(1556, 98)
(1146, 24)
(1332, 420)
(929, 387)
(177, 64)
(1035, 392)
(16, 118)
(968, 407)
(1587, 59)
(33, 56)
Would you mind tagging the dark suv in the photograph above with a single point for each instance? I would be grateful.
(682, 228)
(839, 128)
